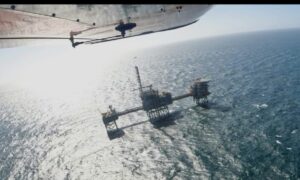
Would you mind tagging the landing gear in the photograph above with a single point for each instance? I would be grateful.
(72, 34)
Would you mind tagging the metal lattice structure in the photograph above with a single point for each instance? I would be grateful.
(155, 104)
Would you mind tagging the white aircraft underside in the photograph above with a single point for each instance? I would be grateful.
(89, 24)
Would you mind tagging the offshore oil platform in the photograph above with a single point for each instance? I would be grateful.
(155, 104)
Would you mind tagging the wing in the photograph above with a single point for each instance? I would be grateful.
(89, 24)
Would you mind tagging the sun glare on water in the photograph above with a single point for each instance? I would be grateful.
(67, 75)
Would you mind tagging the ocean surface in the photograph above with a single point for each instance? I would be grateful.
(51, 126)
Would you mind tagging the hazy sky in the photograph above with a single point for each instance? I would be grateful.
(220, 20)
(228, 19)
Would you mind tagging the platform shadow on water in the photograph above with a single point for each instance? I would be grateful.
(169, 120)
(219, 107)
(164, 122)
(213, 106)
(117, 133)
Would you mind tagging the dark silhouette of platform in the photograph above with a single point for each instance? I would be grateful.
(155, 104)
